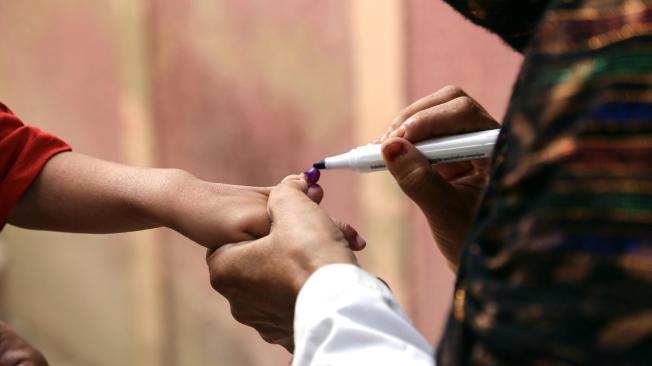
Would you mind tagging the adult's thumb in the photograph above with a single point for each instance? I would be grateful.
(289, 196)
(413, 173)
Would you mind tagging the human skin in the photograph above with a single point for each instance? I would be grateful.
(80, 194)
(261, 278)
(14, 351)
(447, 194)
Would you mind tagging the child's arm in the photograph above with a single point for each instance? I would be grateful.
(77, 193)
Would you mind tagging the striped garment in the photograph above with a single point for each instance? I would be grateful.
(557, 268)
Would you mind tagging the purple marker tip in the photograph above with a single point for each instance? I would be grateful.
(312, 176)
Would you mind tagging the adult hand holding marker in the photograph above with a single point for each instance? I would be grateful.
(447, 193)
(369, 158)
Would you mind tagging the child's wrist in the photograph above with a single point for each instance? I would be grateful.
(168, 206)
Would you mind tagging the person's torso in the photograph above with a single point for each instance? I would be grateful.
(557, 268)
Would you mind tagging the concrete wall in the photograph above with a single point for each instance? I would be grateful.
(237, 91)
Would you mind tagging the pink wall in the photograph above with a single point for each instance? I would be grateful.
(243, 91)
(262, 93)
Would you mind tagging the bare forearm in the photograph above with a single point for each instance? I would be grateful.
(81, 194)
(78, 193)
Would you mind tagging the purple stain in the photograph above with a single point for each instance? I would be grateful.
(312, 176)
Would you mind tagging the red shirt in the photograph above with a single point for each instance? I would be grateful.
(24, 150)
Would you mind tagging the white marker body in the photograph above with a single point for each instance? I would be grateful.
(470, 146)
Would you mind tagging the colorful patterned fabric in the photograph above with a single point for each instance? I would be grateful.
(557, 268)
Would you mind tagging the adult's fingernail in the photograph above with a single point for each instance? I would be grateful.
(361, 242)
(313, 188)
(400, 132)
(312, 176)
(394, 150)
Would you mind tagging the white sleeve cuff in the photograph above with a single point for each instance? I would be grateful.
(345, 316)
(327, 288)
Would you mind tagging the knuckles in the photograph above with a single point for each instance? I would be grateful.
(239, 316)
(223, 283)
(217, 283)
(276, 337)
(417, 119)
(271, 328)
(466, 104)
(419, 122)
(453, 91)
(219, 280)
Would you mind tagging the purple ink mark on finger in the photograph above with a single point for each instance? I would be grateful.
(312, 176)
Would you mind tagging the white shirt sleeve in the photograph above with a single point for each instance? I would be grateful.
(345, 316)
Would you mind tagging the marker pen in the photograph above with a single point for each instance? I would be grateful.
(369, 158)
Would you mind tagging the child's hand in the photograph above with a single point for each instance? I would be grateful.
(213, 214)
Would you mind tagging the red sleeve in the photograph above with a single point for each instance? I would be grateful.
(24, 150)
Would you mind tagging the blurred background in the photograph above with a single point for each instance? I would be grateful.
(235, 91)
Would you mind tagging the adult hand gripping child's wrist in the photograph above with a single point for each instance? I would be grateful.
(261, 278)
